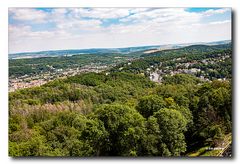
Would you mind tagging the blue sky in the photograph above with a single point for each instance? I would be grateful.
(36, 29)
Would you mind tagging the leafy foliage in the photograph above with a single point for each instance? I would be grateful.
(122, 113)
(172, 125)
(149, 104)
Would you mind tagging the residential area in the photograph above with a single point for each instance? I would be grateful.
(28, 81)
(203, 69)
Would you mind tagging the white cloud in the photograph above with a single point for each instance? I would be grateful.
(157, 21)
(138, 10)
(100, 13)
(27, 14)
(86, 25)
(137, 26)
(163, 18)
(220, 22)
(217, 11)
(20, 33)
(22, 38)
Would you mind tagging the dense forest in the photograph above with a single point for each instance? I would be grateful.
(121, 112)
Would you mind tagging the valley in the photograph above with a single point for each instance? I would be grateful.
(173, 102)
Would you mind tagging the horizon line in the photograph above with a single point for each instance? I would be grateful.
(118, 47)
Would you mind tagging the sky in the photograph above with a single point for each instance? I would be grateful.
(40, 29)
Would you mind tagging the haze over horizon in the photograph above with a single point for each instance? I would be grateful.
(43, 29)
(193, 43)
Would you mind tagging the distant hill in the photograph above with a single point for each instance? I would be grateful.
(55, 53)
(192, 49)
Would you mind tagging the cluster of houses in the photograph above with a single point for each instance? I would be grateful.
(28, 81)
(157, 72)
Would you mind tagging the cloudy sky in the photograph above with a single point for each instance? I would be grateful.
(37, 29)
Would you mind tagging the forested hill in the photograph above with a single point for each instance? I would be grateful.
(98, 51)
(207, 62)
(119, 114)
(193, 49)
